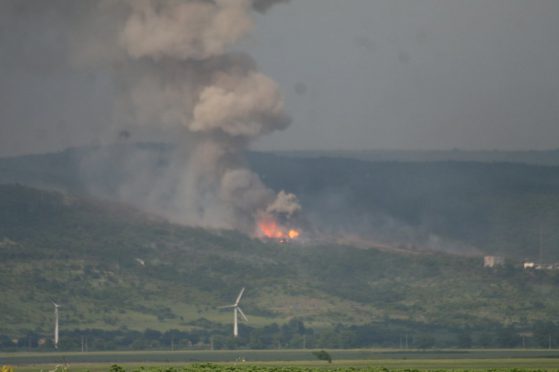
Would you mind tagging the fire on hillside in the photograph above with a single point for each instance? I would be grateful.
(270, 228)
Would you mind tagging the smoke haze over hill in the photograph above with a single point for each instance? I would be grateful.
(172, 74)
(99, 73)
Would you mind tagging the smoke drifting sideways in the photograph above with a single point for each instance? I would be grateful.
(173, 74)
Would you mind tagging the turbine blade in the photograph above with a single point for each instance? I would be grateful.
(242, 314)
(226, 306)
(239, 296)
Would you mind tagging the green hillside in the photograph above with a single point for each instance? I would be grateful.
(116, 269)
(508, 209)
(501, 208)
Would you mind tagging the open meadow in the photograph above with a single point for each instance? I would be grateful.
(287, 360)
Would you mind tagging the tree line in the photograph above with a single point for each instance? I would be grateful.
(294, 335)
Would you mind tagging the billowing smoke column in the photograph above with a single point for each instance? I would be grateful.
(222, 99)
(173, 70)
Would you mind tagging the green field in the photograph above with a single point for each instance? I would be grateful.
(290, 360)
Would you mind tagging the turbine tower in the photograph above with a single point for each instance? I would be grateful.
(56, 306)
(236, 309)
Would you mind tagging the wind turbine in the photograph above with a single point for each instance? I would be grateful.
(236, 309)
(56, 306)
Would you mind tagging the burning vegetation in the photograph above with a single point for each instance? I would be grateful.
(270, 228)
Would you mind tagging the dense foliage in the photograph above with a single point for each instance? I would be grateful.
(274, 336)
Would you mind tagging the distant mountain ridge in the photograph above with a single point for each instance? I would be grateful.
(532, 157)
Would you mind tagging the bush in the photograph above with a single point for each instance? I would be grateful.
(323, 355)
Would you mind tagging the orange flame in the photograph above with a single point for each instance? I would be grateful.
(293, 234)
(269, 227)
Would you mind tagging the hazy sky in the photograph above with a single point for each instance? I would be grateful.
(356, 74)
(429, 74)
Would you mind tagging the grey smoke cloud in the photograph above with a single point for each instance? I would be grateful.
(184, 30)
(246, 106)
(284, 203)
(172, 74)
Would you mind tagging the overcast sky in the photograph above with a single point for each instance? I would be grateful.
(429, 74)
(356, 74)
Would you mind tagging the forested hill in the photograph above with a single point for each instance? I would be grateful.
(534, 157)
(503, 208)
(115, 268)
(463, 207)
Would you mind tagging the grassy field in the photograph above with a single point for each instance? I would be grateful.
(295, 360)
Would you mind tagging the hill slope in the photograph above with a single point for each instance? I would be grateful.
(113, 267)
(502, 208)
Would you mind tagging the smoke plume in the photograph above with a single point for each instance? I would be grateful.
(173, 75)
